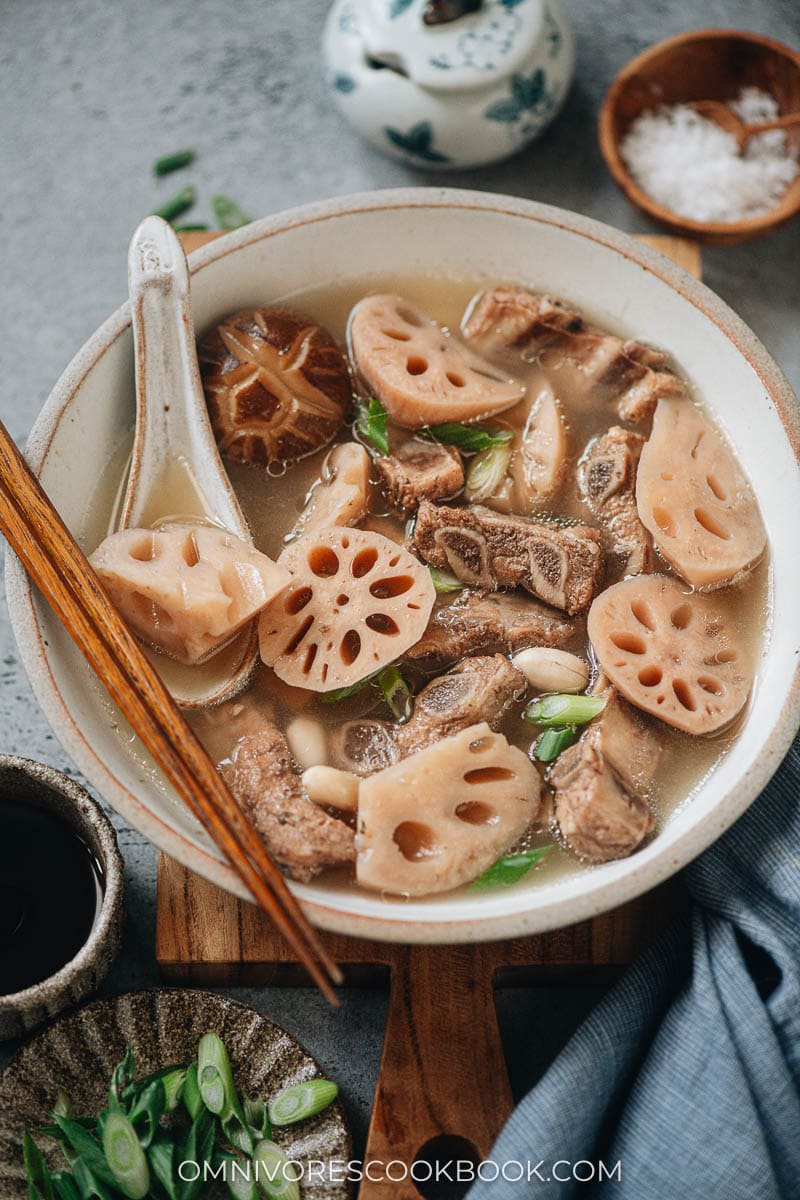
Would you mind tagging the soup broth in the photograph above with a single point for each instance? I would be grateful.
(273, 499)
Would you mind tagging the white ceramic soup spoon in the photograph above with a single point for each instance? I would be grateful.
(176, 472)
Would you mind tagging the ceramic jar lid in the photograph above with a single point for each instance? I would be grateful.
(469, 52)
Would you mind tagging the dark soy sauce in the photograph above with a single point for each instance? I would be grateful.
(51, 889)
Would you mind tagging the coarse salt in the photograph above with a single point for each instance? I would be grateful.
(693, 167)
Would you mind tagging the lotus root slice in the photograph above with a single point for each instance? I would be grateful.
(420, 373)
(694, 499)
(442, 816)
(186, 589)
(671, 653)
(358, 601)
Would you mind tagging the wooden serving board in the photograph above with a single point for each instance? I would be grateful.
(442, 1073)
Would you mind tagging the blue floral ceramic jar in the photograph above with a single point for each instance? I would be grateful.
(449, 83)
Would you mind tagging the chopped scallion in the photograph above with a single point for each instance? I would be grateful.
(176, 204)
(561, 709)
(302, 1100)
(444, 582)
(511, 868)
(344, 693)
(276, 1175)
(40, 1184)
(396, 693)
(125, 1156)
(192, 1100)
(553, 741)
(227, 213)
(487, 472)
(173, 162)
(215, 1078)
(371, 422)
(470, 438)
(198, 227)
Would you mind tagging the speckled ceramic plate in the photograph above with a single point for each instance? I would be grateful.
(79, 1052)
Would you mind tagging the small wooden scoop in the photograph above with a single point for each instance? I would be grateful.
(726, 118)
(176, 470)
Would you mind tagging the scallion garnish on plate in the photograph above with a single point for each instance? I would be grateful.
(129, 1153)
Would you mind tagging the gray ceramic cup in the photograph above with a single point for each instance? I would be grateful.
(35, 783)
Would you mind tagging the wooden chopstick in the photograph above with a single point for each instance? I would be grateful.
(61, 571)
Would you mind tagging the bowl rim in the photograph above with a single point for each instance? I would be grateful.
(95, 825)
(557, 913)
(723, 231)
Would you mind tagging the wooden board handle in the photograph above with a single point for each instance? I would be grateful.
(431, 1103)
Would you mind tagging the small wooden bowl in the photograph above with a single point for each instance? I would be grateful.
(707, 64)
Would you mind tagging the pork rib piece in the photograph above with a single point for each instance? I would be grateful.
(601, 781)
(419, 471)
(478, 689)
(298, 833)
(493, 550)
(607, 479)
(490, 623)
(633, 375)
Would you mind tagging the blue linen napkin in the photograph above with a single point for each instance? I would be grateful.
(688, 1071)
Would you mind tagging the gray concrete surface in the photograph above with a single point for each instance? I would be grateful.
(90, 94)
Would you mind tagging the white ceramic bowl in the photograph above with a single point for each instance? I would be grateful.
(630, 288)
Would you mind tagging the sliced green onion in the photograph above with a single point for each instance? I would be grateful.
(257, 1117)
(553, 741)
(558, 710)
(371, 422)
(227, 212)
(275, 1174)
(173, 1082)
(344, 693)
(301, 1101)
(470, 438)
(444, 582)
(238, 1134)
(147, 1110)
(40, 1184)
(82, 1149)
(239, 1177)
(125, 1157)
(122, 1075)
(397, 694)
(199, 227)
(65, 1185)
(176, 204)
(173, 162)
(215, 1078)
(161, 1160)
(192, 1100)
(63, 1105)
(511, 868)
(487, 472)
